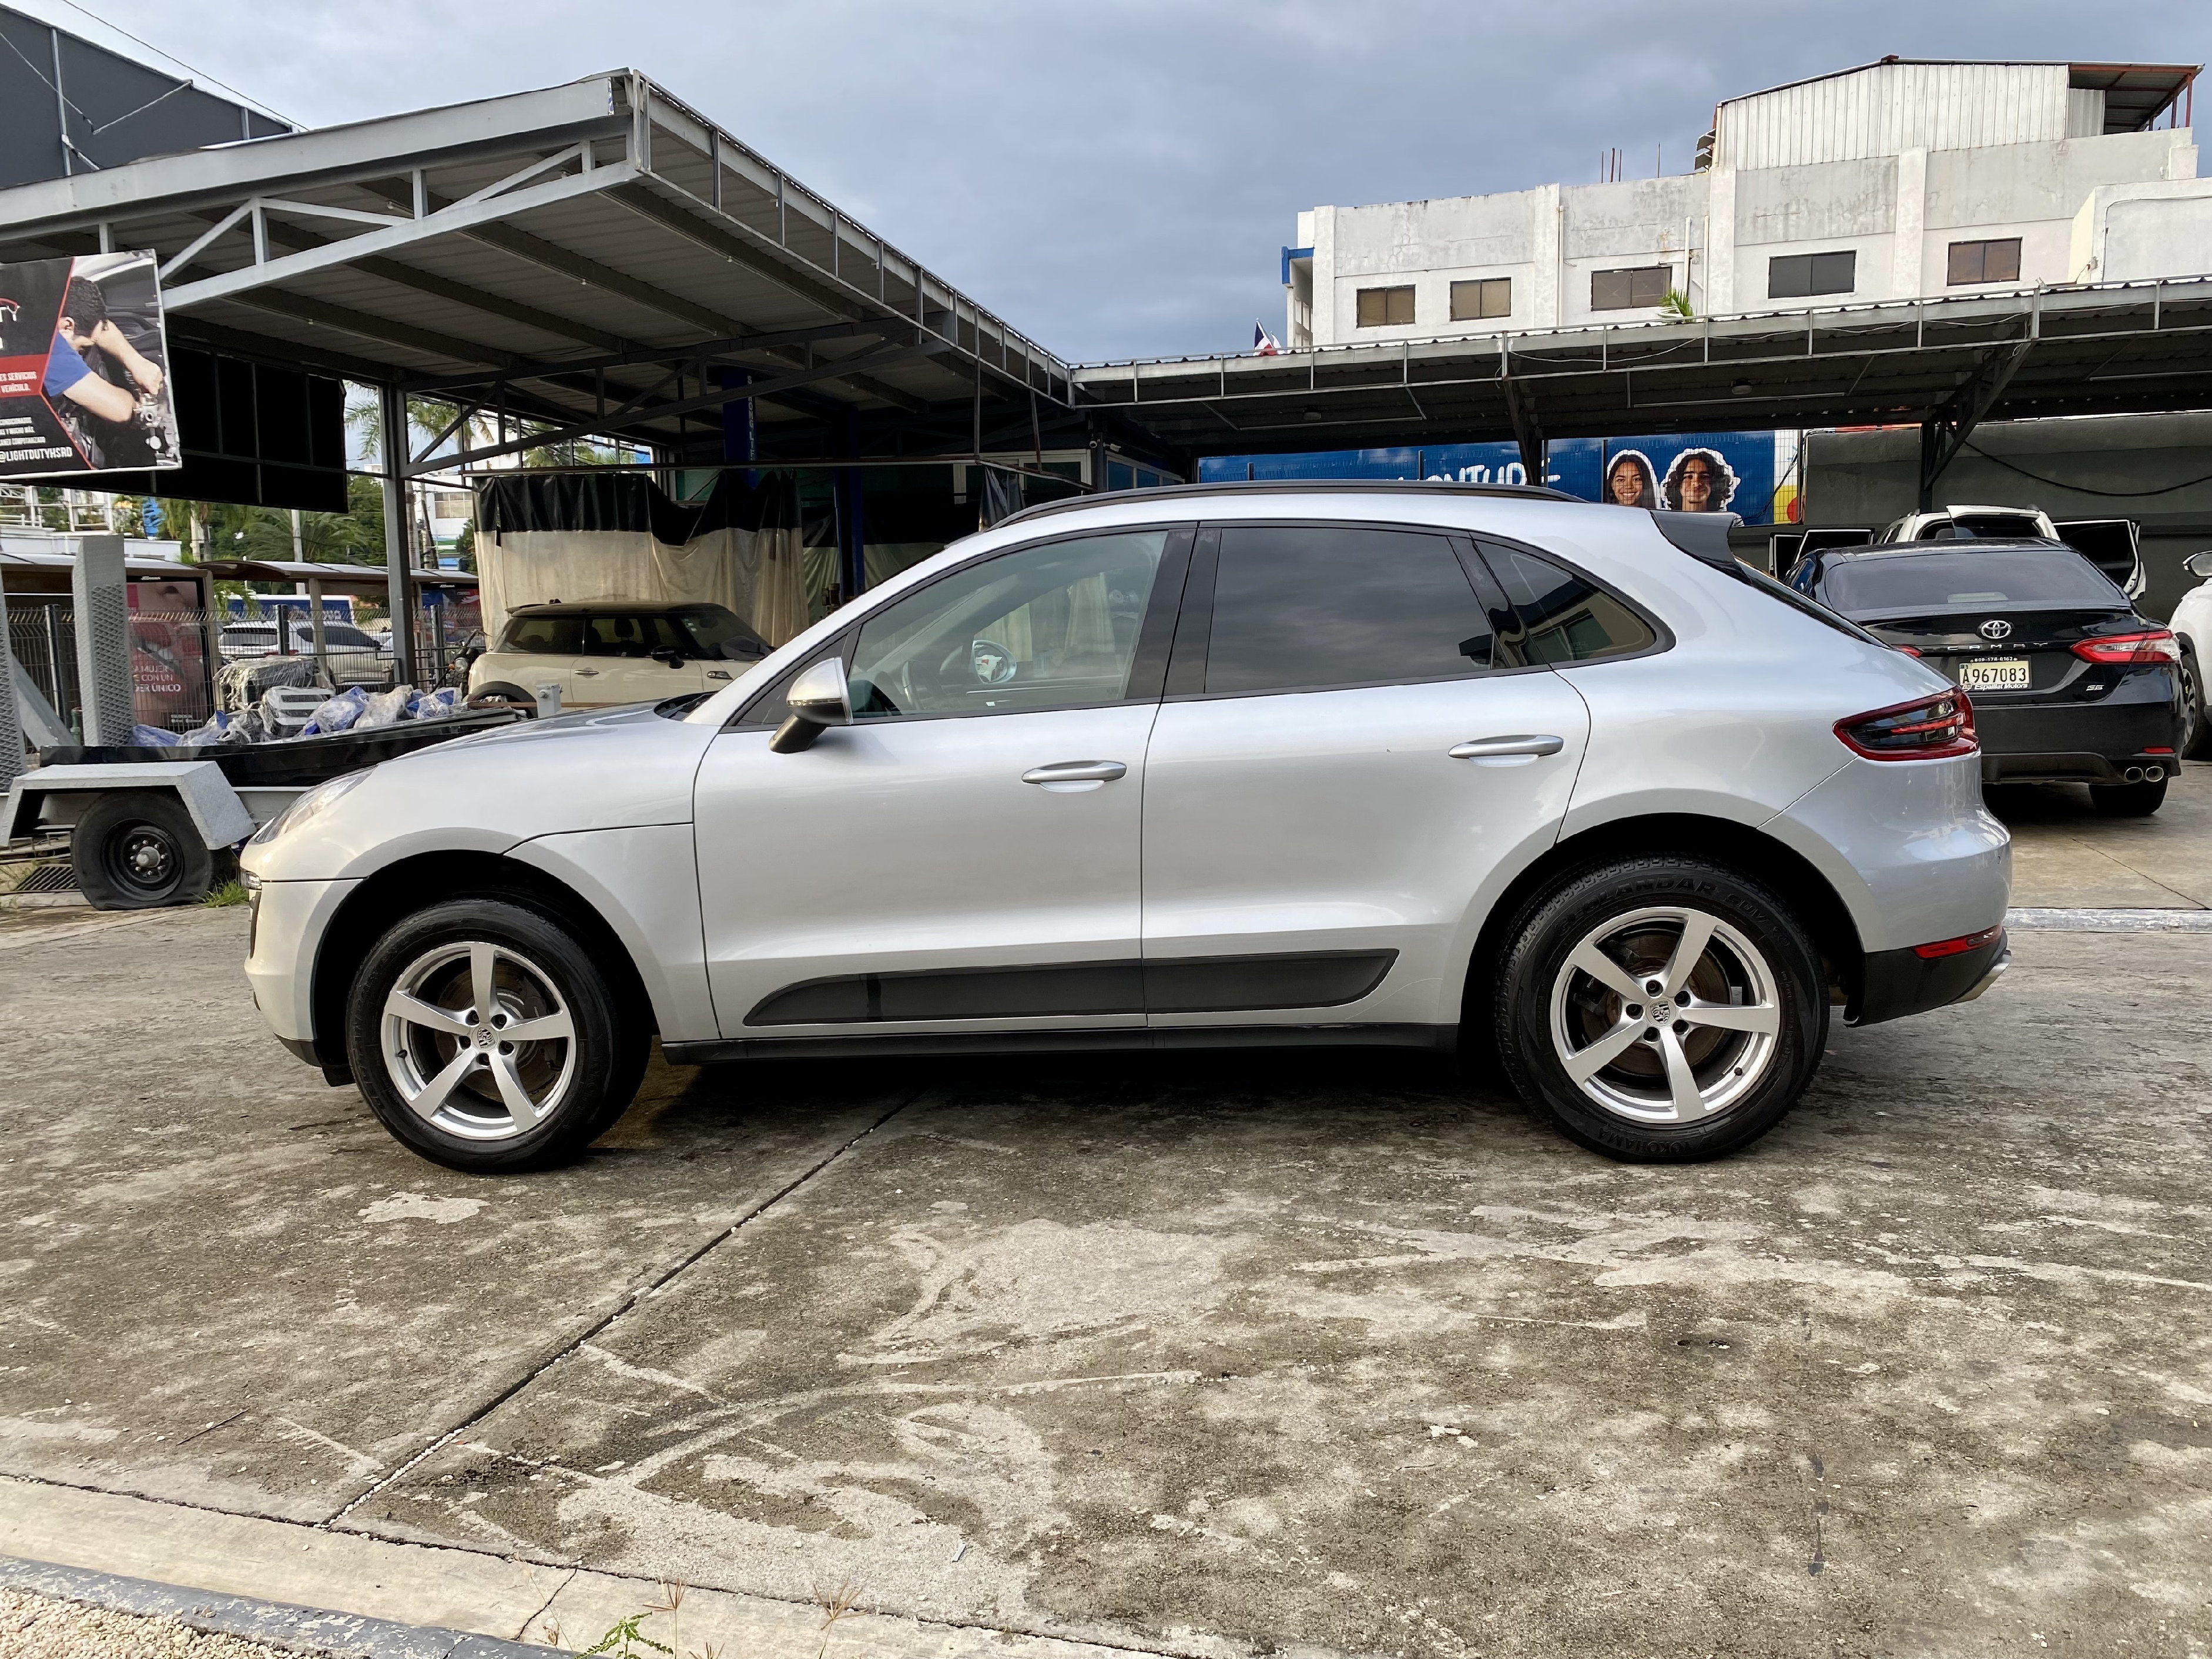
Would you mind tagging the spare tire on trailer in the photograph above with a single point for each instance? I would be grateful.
(137, 849)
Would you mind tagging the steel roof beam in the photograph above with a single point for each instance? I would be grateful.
(633, 356)
(602, 426)
(365, 326)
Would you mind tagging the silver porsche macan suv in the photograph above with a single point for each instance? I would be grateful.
(1444, 766)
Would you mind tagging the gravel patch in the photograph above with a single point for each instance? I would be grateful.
(42, 1627)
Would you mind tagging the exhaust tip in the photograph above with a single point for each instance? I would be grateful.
(2152, 774)
(2133, 775)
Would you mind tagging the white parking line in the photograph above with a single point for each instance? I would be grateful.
(2110, 922)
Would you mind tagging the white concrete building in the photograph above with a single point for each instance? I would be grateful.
(1892, 181)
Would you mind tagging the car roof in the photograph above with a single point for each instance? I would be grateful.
(1246, 487)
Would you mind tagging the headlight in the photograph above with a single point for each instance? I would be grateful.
(317, 800)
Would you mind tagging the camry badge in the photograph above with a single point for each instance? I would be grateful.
(1996, 629)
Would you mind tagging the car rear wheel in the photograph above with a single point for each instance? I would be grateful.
(2127, 801)
(487, 1039)
(500, 695)
(1661, 1010)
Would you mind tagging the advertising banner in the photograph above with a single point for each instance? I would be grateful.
(84, 368)
(1749, 474)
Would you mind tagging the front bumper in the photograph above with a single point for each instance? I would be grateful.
(288, 919)
(1900, 982)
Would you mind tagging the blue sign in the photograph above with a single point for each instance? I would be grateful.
(1710, 471)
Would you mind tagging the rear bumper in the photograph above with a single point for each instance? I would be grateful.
(2080, 741)
(1901, 983)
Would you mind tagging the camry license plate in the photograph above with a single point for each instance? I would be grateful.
(2002, 674)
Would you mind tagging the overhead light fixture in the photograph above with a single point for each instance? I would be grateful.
(1742, 389)
(1313, 412)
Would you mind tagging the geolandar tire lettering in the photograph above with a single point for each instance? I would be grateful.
(1661, 1009)
(485, 1037)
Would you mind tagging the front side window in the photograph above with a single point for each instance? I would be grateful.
(1799, 276)
(544, 637)
(1301, 608)
(1995, 261)
(1382, 308)
(1054, 626)
(1488, 296)
(1637, 288)
(1564, 617)
(707, 629)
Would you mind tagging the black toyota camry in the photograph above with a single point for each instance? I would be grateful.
(2068, 682)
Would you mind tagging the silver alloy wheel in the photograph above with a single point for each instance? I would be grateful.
(1666, 1015)
(478, 1041)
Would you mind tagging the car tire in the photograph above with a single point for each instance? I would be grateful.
(438, 1074)
(1740, 1028)
(2127, 801)
(2197, 734)
(139, 849)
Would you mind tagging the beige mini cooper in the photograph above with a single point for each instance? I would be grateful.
(615, 651)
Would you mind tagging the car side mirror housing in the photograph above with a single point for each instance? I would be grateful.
(819, 699)
(2199, 564)
(670, 656)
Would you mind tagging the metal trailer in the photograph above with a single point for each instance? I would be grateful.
(149, 827)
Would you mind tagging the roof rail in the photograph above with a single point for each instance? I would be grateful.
(1292, 487)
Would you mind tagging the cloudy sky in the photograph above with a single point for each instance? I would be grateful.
(1116, 177)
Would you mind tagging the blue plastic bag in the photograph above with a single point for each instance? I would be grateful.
(336, 714)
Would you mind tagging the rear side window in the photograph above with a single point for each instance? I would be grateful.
(551, 636)
(1564, 617)
(1300, 608)
(630, 635)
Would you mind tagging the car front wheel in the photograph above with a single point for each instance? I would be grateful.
(487, 1039)
(1661, 1010)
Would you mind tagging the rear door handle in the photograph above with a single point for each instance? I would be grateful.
(1076, 772)
(1499, 748)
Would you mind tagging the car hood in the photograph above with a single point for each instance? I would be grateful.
(488, 792)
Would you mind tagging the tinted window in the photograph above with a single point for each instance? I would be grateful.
(629, 636)
(1796, 275)
(1993, 526)
(1997, 575)
(1054, 626)
(1564, 617)
(340, 633)
(1635, 288)
(548, 636)
(1303, 607)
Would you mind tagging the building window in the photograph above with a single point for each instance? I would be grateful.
(1985, 262)
(1487, 296)
(1380, 307)
(1636, 289)
(1796, 275)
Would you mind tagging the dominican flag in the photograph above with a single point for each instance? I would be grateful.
(1264, 344)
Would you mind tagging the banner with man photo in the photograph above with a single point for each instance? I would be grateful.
(84, 368)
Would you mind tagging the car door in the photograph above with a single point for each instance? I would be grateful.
(1357, 739)
(964, 855)
(534, 651)
(617, 664)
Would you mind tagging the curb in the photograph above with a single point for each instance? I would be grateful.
(298, 1629)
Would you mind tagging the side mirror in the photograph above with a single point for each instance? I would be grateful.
(819, 699)
(2199, 564)
(669, 655)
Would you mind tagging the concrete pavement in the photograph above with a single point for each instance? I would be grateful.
(1296, 1352)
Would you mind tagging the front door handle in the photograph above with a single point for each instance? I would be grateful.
(1498, 748)
(587, 673)
(1076, 772)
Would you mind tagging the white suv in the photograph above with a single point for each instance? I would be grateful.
(612, 652)
(1414, 764)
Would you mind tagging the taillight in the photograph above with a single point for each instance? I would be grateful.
(1932, 728)
(1909, 650)
(1959, 946)
(2157, 645)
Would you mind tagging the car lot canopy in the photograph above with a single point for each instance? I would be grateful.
(593, 255)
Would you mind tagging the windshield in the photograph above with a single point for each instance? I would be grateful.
(710, 625)
(1942, 581)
